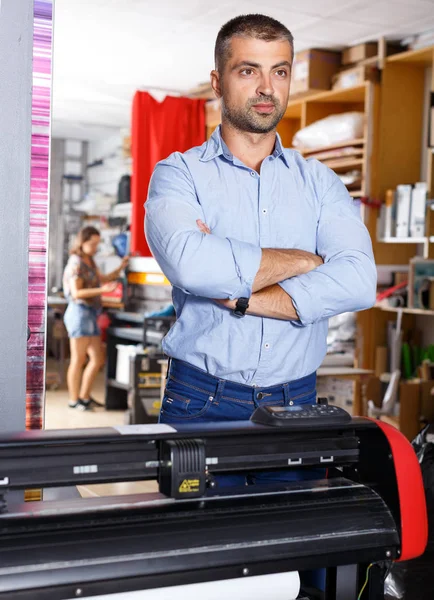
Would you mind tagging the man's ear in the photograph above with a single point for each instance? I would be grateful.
(215, 83)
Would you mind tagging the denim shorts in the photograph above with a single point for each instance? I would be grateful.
(81, 320)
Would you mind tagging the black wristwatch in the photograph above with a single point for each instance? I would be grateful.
(240, 307)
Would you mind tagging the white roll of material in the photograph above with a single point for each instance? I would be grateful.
(278, 586)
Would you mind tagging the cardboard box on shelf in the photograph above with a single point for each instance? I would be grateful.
(356, 76)
(313, 70)
(360, 52)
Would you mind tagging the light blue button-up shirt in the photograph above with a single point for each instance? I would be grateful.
(291, 203)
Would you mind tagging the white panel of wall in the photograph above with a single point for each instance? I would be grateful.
(16, 36)
(104, 178)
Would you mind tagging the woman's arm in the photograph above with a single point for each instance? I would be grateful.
(80, 293)
(114, 274)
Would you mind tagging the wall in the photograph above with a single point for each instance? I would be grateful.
(16, 38)
(104, 178)
(93, 195)
(68, 160)
(55, 236)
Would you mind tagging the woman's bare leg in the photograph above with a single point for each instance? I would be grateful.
(78, 358)
(96, 360)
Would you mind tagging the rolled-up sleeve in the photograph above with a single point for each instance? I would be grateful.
(347, 280)
(199, 264)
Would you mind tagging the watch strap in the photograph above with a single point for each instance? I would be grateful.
(241, 307)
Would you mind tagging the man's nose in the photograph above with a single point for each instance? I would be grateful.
(265, 87)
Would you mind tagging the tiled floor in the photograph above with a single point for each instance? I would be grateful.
(58, 415)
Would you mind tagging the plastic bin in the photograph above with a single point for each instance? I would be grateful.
(124, 353)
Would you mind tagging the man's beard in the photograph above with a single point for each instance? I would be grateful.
(247, 119)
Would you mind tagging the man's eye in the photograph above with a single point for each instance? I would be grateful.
(281, 73)
(246, 72)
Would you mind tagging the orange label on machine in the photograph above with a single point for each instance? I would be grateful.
(148, 278)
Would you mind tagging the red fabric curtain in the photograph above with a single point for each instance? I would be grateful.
(158, 129)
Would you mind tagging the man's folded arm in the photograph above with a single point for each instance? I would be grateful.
(203, 264)
(199, 264)
(347, 280)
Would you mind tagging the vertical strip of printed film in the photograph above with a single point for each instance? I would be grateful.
(39, 206)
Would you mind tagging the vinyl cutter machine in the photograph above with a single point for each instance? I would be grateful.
(369, 510)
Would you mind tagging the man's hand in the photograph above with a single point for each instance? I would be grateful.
(227, 303)
(271, 302)
(203, 227)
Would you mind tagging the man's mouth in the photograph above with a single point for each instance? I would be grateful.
(264, 107)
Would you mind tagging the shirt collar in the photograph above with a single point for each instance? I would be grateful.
(216, 146)
(279, 150)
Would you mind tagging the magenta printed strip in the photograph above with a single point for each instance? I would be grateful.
(39, 205)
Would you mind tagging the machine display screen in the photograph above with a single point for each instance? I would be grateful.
(284, 408)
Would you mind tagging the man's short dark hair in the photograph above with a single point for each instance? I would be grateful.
(255, 26)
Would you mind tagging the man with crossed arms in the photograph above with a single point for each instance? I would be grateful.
(261, 247)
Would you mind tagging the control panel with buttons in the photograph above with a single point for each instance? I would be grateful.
(301, 415)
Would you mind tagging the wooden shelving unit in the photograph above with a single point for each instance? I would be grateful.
(343, 163)
(389, 153)
(401, 158)
(405, 310)
(306, 109)
(350, 95)
(308, 151)
(404, 240)
(422, 57)
(401, 131)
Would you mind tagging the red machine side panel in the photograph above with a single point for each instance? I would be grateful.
(414, 519)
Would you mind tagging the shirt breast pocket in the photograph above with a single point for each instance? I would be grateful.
(293, 215)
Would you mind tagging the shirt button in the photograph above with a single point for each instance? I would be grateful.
(252, 173)
(267, 346)
(264, 211)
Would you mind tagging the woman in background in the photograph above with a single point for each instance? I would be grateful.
(83, 285)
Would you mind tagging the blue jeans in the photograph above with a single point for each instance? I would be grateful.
(191, 395)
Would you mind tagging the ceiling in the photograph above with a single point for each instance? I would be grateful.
(104, 50)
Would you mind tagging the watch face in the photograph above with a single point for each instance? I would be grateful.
(242, 303)
(241, 306)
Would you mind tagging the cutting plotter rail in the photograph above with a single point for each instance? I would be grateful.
(369, 509)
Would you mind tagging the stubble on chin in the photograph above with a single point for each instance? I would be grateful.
(248, 121)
